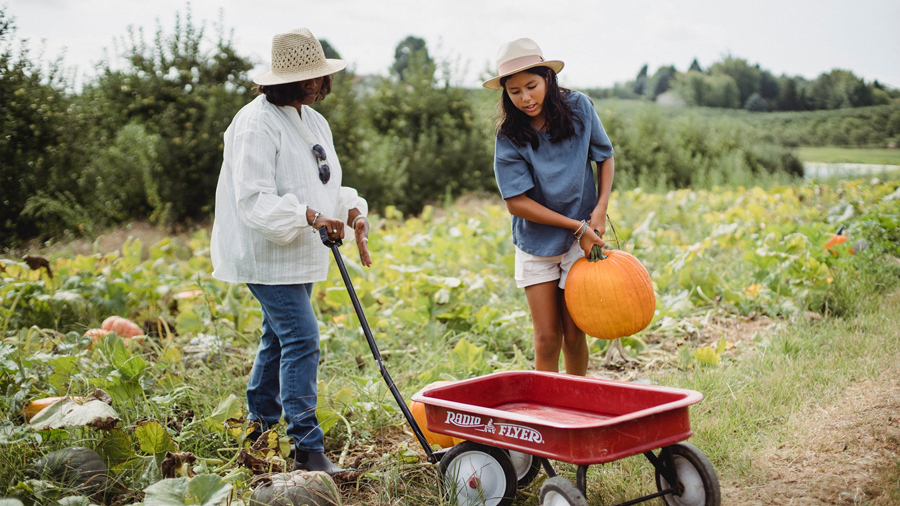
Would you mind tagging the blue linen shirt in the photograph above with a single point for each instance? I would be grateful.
(556, 175)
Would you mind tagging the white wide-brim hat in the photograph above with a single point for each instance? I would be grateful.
(298, 56)
(519, 55)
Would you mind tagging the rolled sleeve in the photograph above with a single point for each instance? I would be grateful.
(600, 147)
(348, 199)
(512, 172)
(278, 218)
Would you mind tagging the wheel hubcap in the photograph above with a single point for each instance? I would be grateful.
(477, 478)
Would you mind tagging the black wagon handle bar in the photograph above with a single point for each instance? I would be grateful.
(334, 245)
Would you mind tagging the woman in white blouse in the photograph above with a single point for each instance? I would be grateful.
(280, 182)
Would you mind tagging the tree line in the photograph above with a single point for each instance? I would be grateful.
(143, 139)
(734, 83)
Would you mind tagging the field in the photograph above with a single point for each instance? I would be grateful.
(882, 156)
(775, 330)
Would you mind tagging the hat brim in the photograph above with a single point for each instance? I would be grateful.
(494, 84)
(269, 78)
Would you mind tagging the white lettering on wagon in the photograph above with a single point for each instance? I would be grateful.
(520, 432)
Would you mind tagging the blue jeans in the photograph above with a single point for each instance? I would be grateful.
(284, 373)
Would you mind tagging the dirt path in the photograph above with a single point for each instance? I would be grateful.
(846, 453)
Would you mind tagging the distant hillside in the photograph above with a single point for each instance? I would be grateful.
(733, 83)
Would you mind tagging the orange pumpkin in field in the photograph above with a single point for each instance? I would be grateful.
(418, 411)
(121, 326)
(610, 295)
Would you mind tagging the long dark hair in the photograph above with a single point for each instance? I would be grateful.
(288, 93)
(514, 124)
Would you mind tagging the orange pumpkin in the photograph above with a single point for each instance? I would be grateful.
(610, 296)
(122, 326)
(418, 412)
(835, 240)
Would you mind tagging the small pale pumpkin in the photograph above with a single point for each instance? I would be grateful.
(610, 295)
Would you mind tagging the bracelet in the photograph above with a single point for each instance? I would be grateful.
(581, 230)
(316, 217)
(358, 217)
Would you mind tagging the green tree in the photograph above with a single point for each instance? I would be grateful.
(839, 89)
(661, 81)
(695, 66)
(768, 86)
(747, 77)
(640, 82)
(756, 103)
(411, 54)
(35, 154)
(186, 96)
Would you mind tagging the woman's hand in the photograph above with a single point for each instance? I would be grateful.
(361, 229)
(334, 228)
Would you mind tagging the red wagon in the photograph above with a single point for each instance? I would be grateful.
(515, 423)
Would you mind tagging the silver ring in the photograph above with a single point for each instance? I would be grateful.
(365, 239)
(334, 231)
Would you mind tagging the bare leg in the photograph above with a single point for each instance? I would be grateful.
(543, 300)
(575, 348)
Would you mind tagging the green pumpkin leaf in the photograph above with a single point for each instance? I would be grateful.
(230, 407)
(154, 438)
(116, 447)
(171, 492)
(208, 489)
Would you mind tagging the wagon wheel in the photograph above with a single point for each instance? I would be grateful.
(558, 491)
(527, 467)
(474, 474)
(697, 485)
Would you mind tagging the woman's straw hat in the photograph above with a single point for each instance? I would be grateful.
(297, 56)
(517, 56)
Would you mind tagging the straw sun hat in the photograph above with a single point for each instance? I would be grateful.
(297, 56)
(519, 55)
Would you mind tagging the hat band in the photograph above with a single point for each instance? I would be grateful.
(520, 62)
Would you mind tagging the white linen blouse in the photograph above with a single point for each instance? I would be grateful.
(269, 178)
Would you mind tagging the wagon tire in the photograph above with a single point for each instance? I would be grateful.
(527, 467)
(558, 491)
(473, 474)
(697, 477)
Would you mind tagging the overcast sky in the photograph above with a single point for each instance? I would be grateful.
(601, 41)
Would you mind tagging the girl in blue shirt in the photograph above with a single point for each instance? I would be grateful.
(546, 140)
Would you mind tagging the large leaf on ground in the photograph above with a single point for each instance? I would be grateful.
(203, 490)
(68, 413)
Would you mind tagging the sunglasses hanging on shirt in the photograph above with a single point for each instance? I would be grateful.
(324, 169)
(317, 150)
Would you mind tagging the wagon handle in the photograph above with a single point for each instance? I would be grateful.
(323, 233)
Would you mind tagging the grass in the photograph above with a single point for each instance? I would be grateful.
(831, 154)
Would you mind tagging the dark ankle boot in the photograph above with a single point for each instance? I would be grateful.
(315, 461)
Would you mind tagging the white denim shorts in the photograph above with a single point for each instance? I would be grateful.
(532, 269)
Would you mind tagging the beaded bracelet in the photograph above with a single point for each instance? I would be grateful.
(581, 230)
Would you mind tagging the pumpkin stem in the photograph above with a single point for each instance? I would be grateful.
(597, 254)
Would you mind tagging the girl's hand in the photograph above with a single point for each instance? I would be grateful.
(335, 228)
(361, 229)
(598, 221)
(588, 240)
